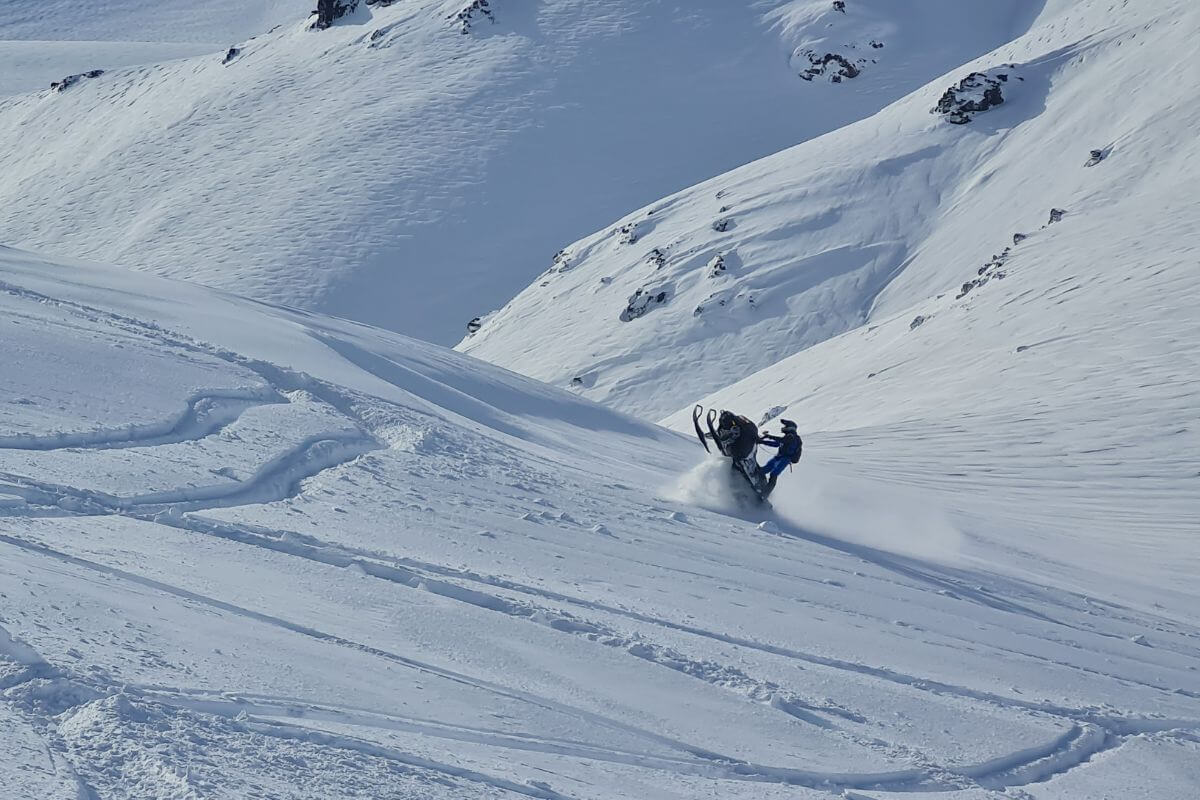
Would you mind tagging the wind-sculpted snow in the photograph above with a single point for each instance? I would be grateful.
(886, 216)
(415, 164)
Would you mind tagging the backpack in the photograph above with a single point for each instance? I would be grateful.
(795, 457)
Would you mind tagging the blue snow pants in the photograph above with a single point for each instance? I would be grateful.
(776, 465)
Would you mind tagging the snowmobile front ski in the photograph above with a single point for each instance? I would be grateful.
(696, 412)
(709, 419)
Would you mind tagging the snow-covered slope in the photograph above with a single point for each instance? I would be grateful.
(133, 21)
(418, 163)
(877, 219)
(42, 41)
(251, 551)
(29, 66)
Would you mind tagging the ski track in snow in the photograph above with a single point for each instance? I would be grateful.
(1088, 733)
(453, 624)
(207, 413)
(1031, 765)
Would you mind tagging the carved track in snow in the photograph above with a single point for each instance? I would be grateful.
(1088, 734)
(206, 413)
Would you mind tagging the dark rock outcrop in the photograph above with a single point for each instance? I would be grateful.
(329, 11)
(71, 80)
(834, 65)
(642, 301)
(231, 54)
(470, 14)
(974, 94)
(990, 270)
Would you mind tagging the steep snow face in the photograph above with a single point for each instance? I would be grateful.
(42, 41)
(133, 21)
(28, 66)
(716, 282)
(416, 164)
(252, 551)
(1058, 395)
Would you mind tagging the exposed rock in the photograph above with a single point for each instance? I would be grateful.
(722, 225)
(917, 322)
(839, 5)
(561, 262)
(642, 301)
(973, 95)
(628, 233)
(71, 80)
(876, 44)
(1096, 156)
(471, 13)
(712, 299)
(329, 11)
(657, 258)
(716, 266)
(835, 65)
(474, 325)
(231, 54)
(1019, 237)
(584, 380)
(992, 269)
(1056, 215)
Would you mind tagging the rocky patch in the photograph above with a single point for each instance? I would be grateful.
(71, 80)
(992, 269)
(642, 301)
(716, 266)
(231, 54)
(470, 15)
(561, 262)
(834, 66)
(974, 94)
(329, 11)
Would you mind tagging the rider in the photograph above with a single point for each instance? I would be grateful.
(789, 446)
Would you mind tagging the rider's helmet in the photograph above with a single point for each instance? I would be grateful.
(788, 426)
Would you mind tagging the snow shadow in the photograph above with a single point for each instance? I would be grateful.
(817, 504)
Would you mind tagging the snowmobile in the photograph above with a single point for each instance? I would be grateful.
(737, 439)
